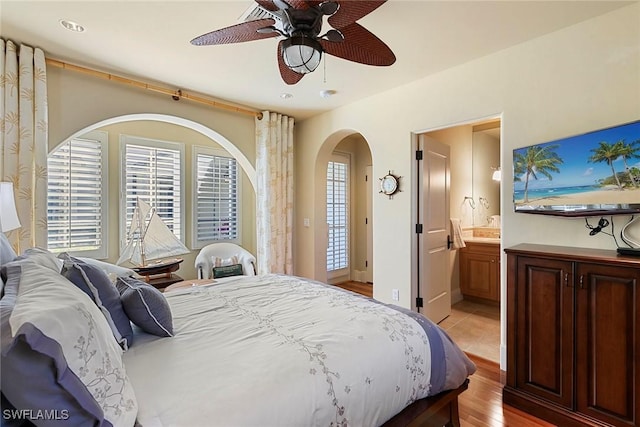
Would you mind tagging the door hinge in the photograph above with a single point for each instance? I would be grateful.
(366, 178)
(366, 263)
(419, 155)
(366, 220)
(419, 302)
(418, 228)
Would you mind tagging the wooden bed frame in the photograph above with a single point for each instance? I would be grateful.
(435, 411)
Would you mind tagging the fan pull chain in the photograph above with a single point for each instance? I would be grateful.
(324, 69)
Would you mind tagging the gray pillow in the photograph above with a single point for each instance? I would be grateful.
(44, 321)
(94, 282)
(145, 306)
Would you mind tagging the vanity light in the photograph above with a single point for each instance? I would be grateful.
(497, 174)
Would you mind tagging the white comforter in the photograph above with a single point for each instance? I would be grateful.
(283, 351)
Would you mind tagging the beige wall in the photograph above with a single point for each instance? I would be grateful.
(78, 102)
(581, 78)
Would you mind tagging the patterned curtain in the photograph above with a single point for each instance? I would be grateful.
(274, 193)
(24, 139)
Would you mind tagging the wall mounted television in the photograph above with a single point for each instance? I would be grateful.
(593, 174)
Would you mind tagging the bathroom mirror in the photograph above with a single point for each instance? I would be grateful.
(486, 161)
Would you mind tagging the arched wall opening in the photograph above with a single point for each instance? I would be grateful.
(204, 130)
(355, 146)
(176, 129)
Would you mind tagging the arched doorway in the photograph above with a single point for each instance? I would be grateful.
(344, 212)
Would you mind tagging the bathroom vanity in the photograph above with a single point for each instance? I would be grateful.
(480, 265)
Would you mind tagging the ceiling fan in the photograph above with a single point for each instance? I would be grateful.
(300, 23)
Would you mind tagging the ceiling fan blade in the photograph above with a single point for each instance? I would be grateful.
(360, 45)
(244, 32)
(298, 4)
(289, 76)
(267, 4)
(350, 11)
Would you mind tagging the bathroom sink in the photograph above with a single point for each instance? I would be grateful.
(486, 232)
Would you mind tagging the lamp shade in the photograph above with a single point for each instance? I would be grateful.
(8, 214)
(301, 54)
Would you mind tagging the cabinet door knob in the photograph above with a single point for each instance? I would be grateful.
(566, 279)
(582, 281)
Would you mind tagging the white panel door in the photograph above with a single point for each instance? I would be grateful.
(434, 279)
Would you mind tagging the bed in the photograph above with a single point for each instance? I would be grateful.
(268, 350)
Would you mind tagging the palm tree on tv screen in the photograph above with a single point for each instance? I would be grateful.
(629, 151)
(607, 153)
(536, 160)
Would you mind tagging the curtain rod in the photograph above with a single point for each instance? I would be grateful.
(175, 94)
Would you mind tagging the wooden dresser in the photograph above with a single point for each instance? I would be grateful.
(573, 347)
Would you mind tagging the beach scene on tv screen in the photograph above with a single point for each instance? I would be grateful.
(596, 168)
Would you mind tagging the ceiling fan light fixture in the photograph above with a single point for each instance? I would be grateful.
(301, 54)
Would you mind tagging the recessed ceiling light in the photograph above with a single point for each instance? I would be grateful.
(327, 93)
(71, 26)
(286, 95)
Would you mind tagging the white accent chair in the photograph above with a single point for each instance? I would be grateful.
(204, 260)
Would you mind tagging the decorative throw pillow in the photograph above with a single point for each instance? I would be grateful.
(59, 356)
(227, 271)
(94, 282)
(226, 267)
(145, 306)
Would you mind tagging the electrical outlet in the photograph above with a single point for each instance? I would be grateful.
(395, 295)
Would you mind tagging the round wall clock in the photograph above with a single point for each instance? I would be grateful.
(389, 184)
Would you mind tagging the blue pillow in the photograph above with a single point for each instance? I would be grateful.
(94, 282)
(145, 306)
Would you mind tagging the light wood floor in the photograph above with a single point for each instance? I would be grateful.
(475, 328)
(481, 404)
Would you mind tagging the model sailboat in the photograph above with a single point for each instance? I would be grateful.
(150, 239)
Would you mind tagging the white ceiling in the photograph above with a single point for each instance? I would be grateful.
(149, 40)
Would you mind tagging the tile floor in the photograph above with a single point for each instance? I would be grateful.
(475, 327)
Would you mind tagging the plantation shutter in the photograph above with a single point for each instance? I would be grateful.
(153, 174)
(338, 215)
(217, 198)
(75, 198)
